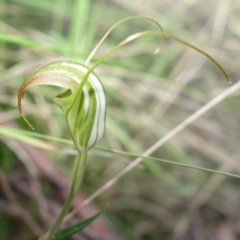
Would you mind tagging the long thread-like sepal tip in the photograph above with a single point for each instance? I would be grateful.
(26, 121)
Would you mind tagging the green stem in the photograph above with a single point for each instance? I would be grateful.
(77, 176)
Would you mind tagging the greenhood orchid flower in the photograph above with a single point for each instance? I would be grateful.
(83, 106)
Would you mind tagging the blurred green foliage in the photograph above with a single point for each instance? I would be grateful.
(147, 96)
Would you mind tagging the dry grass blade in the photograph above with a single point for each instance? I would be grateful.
(158, 144)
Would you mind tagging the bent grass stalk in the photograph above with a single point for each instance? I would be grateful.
(158, 144)
(153, 33)
(84, 102)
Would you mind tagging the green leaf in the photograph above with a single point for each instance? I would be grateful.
(68, 232)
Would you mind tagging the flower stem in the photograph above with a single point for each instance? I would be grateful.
(77, 176)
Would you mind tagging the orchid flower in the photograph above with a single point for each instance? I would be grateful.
(83, 106)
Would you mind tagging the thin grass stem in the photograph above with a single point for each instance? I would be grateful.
(158, 144)
(116, 25)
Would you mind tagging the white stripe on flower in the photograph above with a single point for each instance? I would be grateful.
(86, 99)
(99, 120)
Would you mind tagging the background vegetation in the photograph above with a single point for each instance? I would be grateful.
(147, 96)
